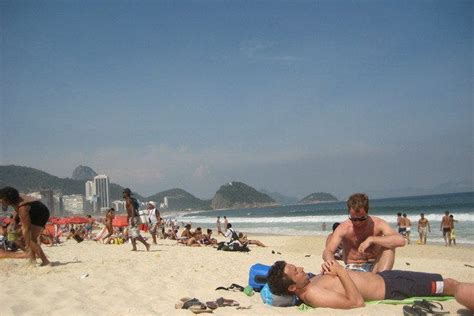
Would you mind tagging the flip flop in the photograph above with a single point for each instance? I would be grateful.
(223, 302)
(212, 305)
(429, 308)
(199, 310)
(410, 311)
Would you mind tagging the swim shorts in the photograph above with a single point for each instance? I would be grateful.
(361, 267)
(402, 284)
(446, 230)
(423, 231)
(133, 230)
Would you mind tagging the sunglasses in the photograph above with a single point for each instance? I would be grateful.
(359, 219)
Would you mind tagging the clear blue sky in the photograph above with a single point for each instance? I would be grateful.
(290, 96)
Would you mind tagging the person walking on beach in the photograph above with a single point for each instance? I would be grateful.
(368, 242)
(445, 227)
(399, 221)
(33, 217)
(109, 218)
(452, 235)
(423, 228)
(407, 223)
(133, 219)
(154, 220)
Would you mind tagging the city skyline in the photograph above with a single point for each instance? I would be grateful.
(294, 98)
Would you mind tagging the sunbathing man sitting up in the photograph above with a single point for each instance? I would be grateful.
(339, 288)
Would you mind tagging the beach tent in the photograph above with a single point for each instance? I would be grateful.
(120, 221)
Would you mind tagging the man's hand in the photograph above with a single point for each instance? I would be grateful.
(331, 267)
(366, 244)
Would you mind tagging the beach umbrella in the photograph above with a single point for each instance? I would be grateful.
(78, 220)
(120, 221)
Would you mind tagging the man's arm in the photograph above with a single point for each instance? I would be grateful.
(390, 239)
(352, 298)
(332, 243)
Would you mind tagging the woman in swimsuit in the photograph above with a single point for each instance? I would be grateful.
(33, 216)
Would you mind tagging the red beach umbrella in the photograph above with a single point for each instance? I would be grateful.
(120, 221)
(78, 220)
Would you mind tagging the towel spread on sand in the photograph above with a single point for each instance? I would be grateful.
(303, 307)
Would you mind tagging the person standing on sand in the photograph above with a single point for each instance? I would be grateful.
(445, 227)
(219, 227)
(407, 223)
(368, 242)
(423, 228)
(33, 217)
(225, 222)
(452, 235)
(133, 220)
(154, 220)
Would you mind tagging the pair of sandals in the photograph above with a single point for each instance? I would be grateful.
(197, 307)
(422, 308)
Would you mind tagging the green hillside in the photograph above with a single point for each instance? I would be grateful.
(237, 194)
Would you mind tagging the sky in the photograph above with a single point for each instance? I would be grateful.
(292, 97)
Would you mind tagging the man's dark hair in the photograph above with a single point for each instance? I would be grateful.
(357, 201)
(127, 191)
(334, 226)
(399, 214)
(229, 225)
(277, 280)
(404, 214)
(10, 195)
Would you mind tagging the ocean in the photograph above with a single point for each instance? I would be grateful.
(309, 219)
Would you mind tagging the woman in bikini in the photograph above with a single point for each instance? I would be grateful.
(33, 217)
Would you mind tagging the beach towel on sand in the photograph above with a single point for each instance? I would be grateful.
(303, 307)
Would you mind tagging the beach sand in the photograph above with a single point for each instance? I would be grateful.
(122, 282)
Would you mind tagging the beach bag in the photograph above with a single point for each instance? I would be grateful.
(278, 300)
(258, 276)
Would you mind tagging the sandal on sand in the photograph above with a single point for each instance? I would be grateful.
(410, 311)
(429, 308)
(223, 302)
(198, 309)
(187, 303)
(212, 305)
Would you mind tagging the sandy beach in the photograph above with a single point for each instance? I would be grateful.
(92, 278)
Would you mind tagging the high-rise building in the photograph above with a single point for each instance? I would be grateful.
(90, 190)
(101, 183)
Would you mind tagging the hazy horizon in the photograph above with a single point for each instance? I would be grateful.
(290, 97)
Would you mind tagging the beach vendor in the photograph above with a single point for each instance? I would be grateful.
(339, 288)
(33, 216)
(368, 242)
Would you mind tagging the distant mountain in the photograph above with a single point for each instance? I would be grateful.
(318, 198)
(239, 195)
(280, 198)
(27, 180)
(179, 200)
(83, 173)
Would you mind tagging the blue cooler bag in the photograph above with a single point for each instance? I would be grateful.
(278, 300)
(258, 276)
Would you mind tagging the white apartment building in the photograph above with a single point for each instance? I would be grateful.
(101, 183)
